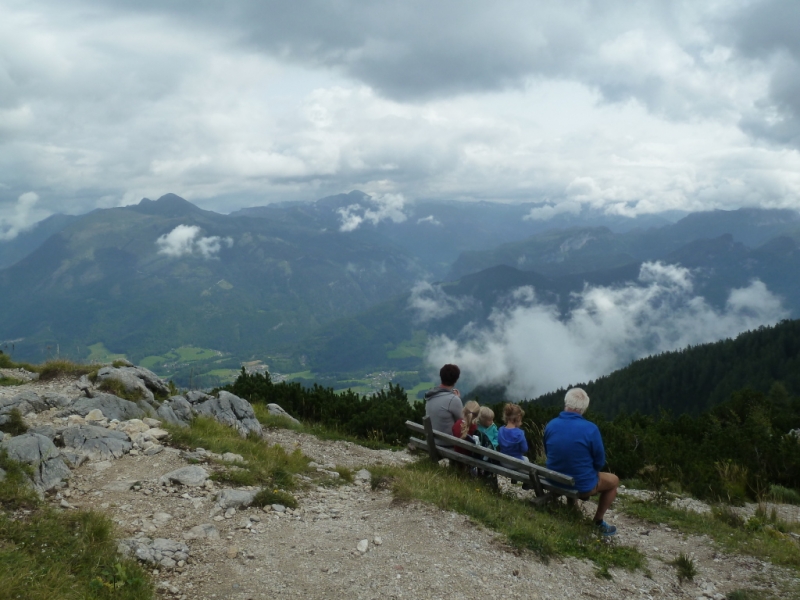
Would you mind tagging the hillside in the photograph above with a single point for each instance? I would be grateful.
(148, 278)
(694, 379)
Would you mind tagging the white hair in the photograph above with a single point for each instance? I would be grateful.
(577, 400)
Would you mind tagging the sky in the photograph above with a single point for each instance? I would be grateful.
(627, 106)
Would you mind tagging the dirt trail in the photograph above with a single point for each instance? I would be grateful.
(414, 550)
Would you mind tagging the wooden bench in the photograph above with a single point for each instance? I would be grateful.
(546, 484)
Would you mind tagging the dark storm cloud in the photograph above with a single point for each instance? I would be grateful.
(767, 32)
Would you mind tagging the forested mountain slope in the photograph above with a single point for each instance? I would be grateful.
(696, 378)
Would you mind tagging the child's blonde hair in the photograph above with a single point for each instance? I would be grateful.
(512, 413)
(485, 415)
(469, 414)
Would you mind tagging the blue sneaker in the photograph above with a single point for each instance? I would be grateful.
(606, 529)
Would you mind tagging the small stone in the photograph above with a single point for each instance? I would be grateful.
(279, 508)
(95, 415)
(377, 540)
(229, 513)
(151, 422)
(363, 546)
(363, 475)
(204, 531)
(153, 450)
(233, 552)
(65, 504)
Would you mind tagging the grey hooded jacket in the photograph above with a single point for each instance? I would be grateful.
(444, 408)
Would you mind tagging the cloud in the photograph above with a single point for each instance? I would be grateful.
(429, 219)
(430, 302)
(637, 105)
(185, 240)
(548, 211)
(532, 350)
(385, 207)
(22, 216)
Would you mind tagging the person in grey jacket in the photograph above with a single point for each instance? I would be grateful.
(443, 403)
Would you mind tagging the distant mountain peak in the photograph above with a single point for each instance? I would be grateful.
(168, 205)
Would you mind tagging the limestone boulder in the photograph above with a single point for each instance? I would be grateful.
(192, 476)
(277, 411)
(110, 405)
(38, 451)
(129, 380)
(96, 442)
(176, 410)
(235, 498)
(231, 410)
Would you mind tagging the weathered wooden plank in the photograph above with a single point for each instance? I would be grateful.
(475, 462)
(431, 442)
(559, 490)
(507, 460)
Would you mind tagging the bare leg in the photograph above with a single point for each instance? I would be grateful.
(607, 488)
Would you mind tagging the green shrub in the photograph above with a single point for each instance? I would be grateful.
(379, 418)
(15, 425)
(58, 367)
(9, 381)
(685, 567)
(268, 497)
(778, 493)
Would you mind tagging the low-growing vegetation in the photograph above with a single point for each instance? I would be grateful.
(47, 554)
(684, 567)
(379, 418)
(548, 532)
(50, 369)
(15, 424)
(264, 465)
(116, 387)
(763, 536)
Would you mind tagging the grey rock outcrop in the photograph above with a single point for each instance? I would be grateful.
(29, 401)
(176, 410)
(96, 442)
(192, 476)
(235, 498)
(196, 396)
(40, 453)
(160, 551)
(277, 411)
(129, 380)
(230, 410)
(110, 405)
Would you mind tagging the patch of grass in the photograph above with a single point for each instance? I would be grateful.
(116, 387)
(58, 367)
(548, 532)
(66, 555)
(685, 567)
(745, 595)
(9, 381)
(15, 489)
(265, 465)
(15, 425)
(766, 542)
(778, 493)
(267, 497)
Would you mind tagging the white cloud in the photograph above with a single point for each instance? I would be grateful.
(429, 219)
(430, 302)
(385, 207)
(532, 350)
(20, 217)
(548, 211)
(185, 240)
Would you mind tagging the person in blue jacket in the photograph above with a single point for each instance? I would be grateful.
(574, 447)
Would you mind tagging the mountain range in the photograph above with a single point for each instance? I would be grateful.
(289, 285)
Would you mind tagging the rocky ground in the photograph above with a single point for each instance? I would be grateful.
(344, 540)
